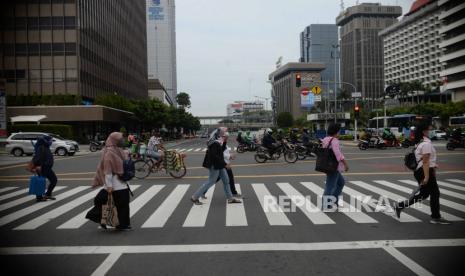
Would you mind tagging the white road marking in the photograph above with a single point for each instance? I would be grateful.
(199, 149)
(40, 205)
(397, 197)
(6, 189)
(15, 193)
(28, 198)
(235, 213)
(43, 219)
(164, 211)
(444, 202)
(189, 150)
(106, 265)
(235, 247)
(142, 199)
(80, 219)
(457, 187)
(357, 216)
(456, 181)
(182, 150)
(315, 215)
(276, 217)
(205, 149)
(409, 263)
(443, 191)
(197, 216)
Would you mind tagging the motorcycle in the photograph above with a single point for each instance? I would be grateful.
(453, 144)
(306, 151)
(394, 143)
(373, 142)
(243, 147)
(284, 148)
(96, 145)
(407, 143)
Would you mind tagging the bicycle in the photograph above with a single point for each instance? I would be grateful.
(173, 164)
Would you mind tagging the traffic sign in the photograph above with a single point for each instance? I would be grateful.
(317, 98)
(305, 91)
(316, 90)
(356, 94)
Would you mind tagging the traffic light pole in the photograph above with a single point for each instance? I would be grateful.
(355, 123)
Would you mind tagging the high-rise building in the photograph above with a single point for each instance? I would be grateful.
(78, 47)
(361, 47)
(161, 44)
(316, 45)
(411, 46)
(453, 46)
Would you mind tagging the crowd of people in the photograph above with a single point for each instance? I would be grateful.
(217, 161)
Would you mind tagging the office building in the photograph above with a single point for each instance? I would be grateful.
(411, 46)
(316, 45)
(78, 47)
(161, 44)
(453, 47)
(286, 96)
(362, 49)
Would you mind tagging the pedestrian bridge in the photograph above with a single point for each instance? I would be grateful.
(208, 122)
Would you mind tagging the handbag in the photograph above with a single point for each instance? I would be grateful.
(109, 213)
(326, 161)
(37, 185)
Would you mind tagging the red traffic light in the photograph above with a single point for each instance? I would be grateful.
(298, 76)
(357, 108)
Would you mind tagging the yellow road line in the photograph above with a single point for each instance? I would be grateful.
(24, 164)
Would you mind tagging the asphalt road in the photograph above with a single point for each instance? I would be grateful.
(173, 237)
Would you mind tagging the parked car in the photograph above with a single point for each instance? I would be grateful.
(23, 143)
(438, 134)
(204, 135)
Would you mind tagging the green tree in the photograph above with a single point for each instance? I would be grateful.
(285, 120)
(184, 100)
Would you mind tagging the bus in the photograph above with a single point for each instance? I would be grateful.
(402, 121)
(456, 122)
(378, 122)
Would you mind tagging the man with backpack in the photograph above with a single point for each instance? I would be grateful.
(423, 162)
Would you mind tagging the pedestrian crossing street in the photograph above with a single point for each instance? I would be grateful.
(154, 206)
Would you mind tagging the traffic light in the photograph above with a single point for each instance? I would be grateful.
(357, 112)
(298, 80)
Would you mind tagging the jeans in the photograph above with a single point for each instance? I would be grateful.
(431, 189)
(51, 176)
(333, 188)
(212, 177)
(232, 184)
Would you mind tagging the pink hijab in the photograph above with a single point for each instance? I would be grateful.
(111, 161)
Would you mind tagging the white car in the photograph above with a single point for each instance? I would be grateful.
(438, 134)
(23, 143)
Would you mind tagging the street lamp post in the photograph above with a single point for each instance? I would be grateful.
(335, 47)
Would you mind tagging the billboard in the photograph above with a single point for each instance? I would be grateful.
(156, 10)
(307, 99)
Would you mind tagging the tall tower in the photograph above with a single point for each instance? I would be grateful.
(161, 44)
(362, 61)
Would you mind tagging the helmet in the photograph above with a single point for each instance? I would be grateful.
(295, 130)
(268, 131)
(305, 130)
(280, 131)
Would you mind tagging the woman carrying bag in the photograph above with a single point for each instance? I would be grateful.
(334, 165)
(108, 175)
(42, 164)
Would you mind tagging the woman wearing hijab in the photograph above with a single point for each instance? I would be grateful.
(108, 172)
(214, 162)
(43, 163)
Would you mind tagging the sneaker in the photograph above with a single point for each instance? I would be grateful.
(397, 209)
(123, 228)
(203, 196)
(440, 221)
(234, 200)
(196, 201)
(103, 226)
(237, 195)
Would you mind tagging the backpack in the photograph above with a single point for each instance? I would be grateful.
(410, 160)
(129, 170)
(326, 161)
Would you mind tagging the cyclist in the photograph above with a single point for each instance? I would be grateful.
(155, 148)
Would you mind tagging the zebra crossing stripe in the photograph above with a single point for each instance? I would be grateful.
(374, 204)
(142, 199)
(80, 219)
(457, 187)
(181, 150)
(189, 150)
(443, 191)
(6, 189)
(164, 211)
(443, 201)
(41, 220)
(235, 213)
(24, 199)
(456, 181)
(205, 149)
(357, 216)
(315, 214)
(275, 216)
(13, 194)
(36, 207)
(199, 149)
(397, 197)
(197, 216)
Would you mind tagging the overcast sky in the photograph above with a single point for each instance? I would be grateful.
(226, 49)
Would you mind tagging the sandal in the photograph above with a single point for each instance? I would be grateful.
(196, 201)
